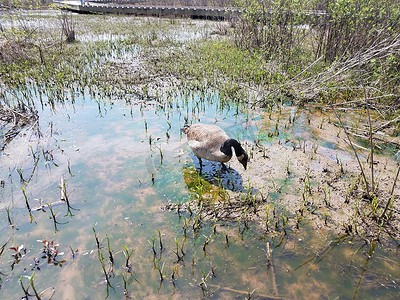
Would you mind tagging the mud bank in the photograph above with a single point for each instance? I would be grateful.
(304, 171)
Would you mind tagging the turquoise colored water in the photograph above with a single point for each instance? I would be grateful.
(120, 164)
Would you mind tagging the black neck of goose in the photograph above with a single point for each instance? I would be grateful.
(226, 147)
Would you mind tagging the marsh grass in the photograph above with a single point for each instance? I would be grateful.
(26, 4)
(269, 53)
(53, 217)
(214, 63)
(231, 62)
(36, 293)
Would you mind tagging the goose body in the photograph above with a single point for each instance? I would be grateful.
(212, 143)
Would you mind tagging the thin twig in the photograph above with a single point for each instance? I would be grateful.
(391, 195)
(244, 292)
(387, 124)
(371, 141)
(352, 146)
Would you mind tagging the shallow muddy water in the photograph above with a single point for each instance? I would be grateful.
(120, 164)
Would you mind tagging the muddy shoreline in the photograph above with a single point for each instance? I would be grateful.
(319, 185)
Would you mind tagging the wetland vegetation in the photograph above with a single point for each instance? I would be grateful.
(100, 196)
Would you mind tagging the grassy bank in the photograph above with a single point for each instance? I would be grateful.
(272, 50)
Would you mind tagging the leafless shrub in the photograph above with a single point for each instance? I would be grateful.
(20, 41)
(322, 45)
(214, 3)
(351, 26)
(11, 51)
(273, 27)
(67, 26)
(341, 70)
(24, 40)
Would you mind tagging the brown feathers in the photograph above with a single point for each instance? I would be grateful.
(212, 143)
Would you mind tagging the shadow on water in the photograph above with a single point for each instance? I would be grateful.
(222, 176)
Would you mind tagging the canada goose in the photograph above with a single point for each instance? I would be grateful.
(212, 143)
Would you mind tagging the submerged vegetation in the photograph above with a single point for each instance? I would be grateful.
(319, 80)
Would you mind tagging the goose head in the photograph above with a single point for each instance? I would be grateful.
(240, 152)
(243, 159)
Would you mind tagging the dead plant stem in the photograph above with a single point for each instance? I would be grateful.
(352, 146)
(243, 292)
(391, 196)
(371, 141)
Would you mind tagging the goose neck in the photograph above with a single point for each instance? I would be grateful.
(226, 148)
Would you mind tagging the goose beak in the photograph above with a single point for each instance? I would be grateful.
(243, 160)
(244, 163)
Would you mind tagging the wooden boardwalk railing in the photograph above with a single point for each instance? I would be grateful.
(217, 13)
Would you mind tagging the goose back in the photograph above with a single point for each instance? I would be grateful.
(206, 141)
